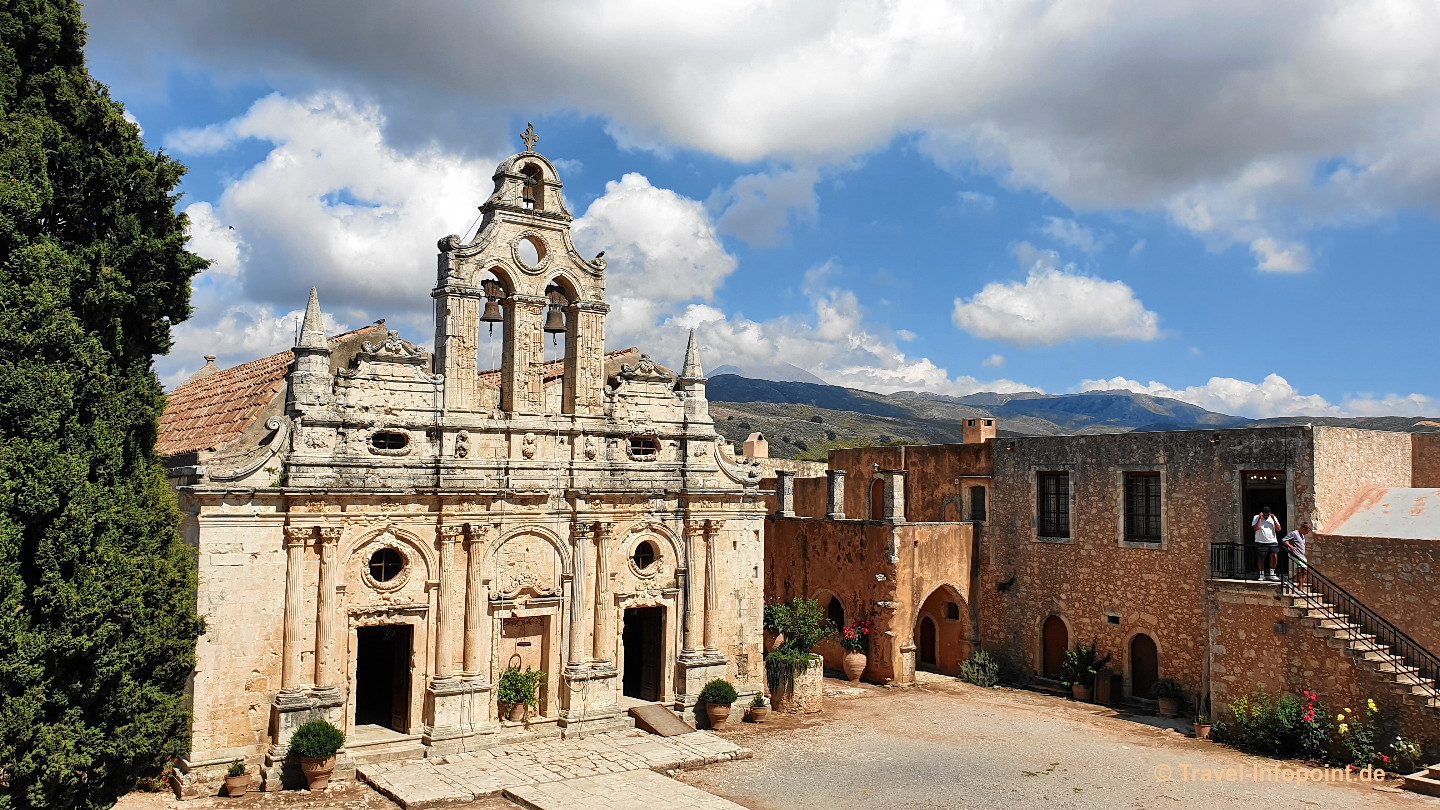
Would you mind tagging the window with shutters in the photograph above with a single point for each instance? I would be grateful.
(1053, 504)
(1142, 507)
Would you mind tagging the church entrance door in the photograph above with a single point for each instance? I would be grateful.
(643, 639)
(382, 676)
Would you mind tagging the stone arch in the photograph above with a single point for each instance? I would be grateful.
(1141, 687)
(1050, 668)
(951, 510)
(514, 563)
(674, 550)
(875, 498)
(954, 637)
(410, 544)
(829, 648)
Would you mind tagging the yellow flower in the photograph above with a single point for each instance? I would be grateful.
(1347, 711)
(1344, 728)
(1340, 718)
(1372, 705)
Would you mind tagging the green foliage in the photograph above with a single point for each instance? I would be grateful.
(1167, 688)
(1283, 727)
(1082, 664)
(816, 419)
(981, 670)
(237, 768)
(97, 588)
(801, 620)
(783, 665)
(516, 687)
(316, 739)
(758, 702)
(1406, 756)
(718, 692)
(1357, 733)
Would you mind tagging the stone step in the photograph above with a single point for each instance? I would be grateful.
(1425, 782)
(389, 751)
(660, 721)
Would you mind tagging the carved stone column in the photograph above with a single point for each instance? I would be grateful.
(894, 504)
(694, 588)
(474, 598)
(524, 361)
(295, 537)
(445, 619)
(835, 500)
(577, 595)
(602, 649)
(785, 493)
(712, 590)
(325, 621)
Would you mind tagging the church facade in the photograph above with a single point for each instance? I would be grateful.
(382, 530)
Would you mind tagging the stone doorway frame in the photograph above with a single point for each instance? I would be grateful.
(668, 600)
(417, 617)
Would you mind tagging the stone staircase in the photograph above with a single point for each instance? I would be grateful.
(1426, 781)
(1341, 632)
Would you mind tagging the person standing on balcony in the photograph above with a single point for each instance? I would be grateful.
(1267, 528)
(1295, 542)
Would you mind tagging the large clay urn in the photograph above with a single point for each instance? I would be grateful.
(317, 771)
(854, 665)
(773, 640)
(519, 712)
(718, 714)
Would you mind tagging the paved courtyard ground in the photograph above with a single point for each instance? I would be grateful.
(942, 744)
(946, 744)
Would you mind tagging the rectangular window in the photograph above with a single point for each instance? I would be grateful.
(1142, 507)
(1053, 508)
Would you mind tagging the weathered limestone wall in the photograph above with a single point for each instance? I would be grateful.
(859, 466)
(1253, 643)
(1399, 579)
(1350, 461)
(1425, 460)
(938, 474)
(1094, 575)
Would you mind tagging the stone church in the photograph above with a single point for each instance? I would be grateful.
(382, 530)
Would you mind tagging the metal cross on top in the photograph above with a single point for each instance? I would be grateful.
(529, 137)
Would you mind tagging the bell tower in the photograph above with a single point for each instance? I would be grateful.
(522, 273)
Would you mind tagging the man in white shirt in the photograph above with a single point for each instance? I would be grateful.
(1295, 541)
(1267, 530)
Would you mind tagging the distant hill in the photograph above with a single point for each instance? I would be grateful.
(779, 372)
(805, 419)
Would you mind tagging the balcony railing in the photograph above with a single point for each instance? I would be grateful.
(1244, 561)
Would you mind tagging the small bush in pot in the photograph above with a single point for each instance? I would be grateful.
(758, 709)
(237, 781)
(519, 691)
(718, 695)
(1080, 667)
(1169, 694)
(315, 743)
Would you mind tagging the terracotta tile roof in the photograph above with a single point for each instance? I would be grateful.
(555, 369)
(209, 412)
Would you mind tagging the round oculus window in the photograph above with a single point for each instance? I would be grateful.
(644, 555)
(386, 564)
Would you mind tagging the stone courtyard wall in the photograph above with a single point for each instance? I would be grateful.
(1399, 579)
(1425, 460)
(1348, 462)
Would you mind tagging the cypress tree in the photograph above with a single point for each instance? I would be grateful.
(97, 588)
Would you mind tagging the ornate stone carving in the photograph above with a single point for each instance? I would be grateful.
(462, 444)
(528, 445)
(526, 563)
(645, 369)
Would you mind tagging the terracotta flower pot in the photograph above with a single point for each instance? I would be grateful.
(1169, 707)
(1202, 731)
(317, 771)
(758, 714)
(237, 786)
(718, 714)
(519, 712)
(773, 640)
(1080, 691)
(854, 665)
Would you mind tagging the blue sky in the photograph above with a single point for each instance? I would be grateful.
(1231, 205)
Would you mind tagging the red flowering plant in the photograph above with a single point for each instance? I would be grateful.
(856, 636)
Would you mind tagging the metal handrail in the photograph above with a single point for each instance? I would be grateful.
(1323, 593)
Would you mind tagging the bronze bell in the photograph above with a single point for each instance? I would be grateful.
(492, 315)
(555, 318)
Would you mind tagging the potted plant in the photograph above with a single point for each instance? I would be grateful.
(718, 695)
(1080, 667)
(773, 618)
(518, 692)
(237, 781)
(1202, 726)
(855, 638)
(1169, 695)
(758, 710)
(315, 743)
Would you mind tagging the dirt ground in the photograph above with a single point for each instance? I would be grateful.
(946, 744)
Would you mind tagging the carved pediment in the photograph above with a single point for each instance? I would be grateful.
(526, 564)
(645, 369)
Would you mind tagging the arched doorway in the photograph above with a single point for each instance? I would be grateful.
(877, 499)
(1054, 641)
(927, 641)
(835, 612)
(1144, 665)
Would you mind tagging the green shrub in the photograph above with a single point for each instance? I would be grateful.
(316, 739)
(758, 702)
(801, 620)
(516, 687)
(1283, 727)
(1357, 733)
(981, 670)
(783, 665)
(718, 692)
(1167, 688)
(237, 768)
(1082, 664)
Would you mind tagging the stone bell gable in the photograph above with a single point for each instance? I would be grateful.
(391, 529)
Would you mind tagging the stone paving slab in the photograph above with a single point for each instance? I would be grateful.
(473, 775)
(633, 790)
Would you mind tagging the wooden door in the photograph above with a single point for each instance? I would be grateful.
(1054, 641)
(927, 641)
(1144, 665)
